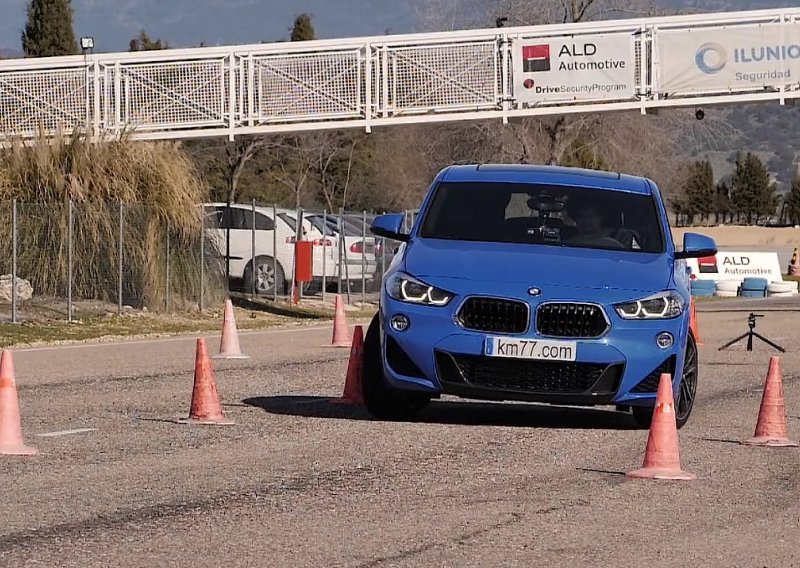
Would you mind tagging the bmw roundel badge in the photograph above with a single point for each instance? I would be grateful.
(534, 291)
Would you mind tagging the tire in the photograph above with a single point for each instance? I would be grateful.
(778, 287)
(266, 282)
(643, 415)
(382, 401)
(727, 285)
(726, 293)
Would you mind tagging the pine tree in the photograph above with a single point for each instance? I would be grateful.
(699, 190)
(303, 29)
(793, 201)
(48, 31)
(752, 192)
(143, 42)
(723, 207)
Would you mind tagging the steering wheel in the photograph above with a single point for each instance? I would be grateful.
(627, 237)
(612, 242)
(608, 242)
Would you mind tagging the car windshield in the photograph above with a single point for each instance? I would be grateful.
(544, 215)
(316, 221)
(292, 222)
(350, 229)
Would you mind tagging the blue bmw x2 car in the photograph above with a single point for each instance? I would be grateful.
(534, 283)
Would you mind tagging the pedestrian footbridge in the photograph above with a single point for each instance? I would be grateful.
(497, 74)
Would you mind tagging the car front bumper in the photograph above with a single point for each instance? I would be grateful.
(437, 355)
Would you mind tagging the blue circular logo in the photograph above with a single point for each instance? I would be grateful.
(534, 291)
(711, 58)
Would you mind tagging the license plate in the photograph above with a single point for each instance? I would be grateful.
(530, 349)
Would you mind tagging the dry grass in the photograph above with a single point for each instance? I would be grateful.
(159, 190)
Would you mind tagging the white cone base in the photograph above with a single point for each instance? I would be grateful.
(18, 451)
(668, 474)
(224, 356)
(224, 422)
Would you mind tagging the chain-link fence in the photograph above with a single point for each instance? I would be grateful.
(70, 260)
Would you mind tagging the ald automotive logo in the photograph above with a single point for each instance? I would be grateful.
(535, 58)
(711, 58)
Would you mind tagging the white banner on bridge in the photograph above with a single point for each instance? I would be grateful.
(582, 68)
(729, 59)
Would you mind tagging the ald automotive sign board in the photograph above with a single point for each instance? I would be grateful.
(729, 59)
(737, 266)
(582, 68)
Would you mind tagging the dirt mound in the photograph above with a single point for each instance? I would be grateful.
(735, 236)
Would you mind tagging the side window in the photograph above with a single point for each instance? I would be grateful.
(264, 223)
(213, 217)
(239, 218)
(225, 217)
(235, 218)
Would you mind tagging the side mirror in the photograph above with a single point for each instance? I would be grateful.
(389, 226)
(696, 246)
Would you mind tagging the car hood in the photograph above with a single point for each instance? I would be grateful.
(536, 265)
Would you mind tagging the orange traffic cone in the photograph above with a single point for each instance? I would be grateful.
(229, 343)
(771, 429)
(693, 323)
(662, 456)
(355, 367)
(205, 407)
(794, 265)
(341, 333)
(10, 427)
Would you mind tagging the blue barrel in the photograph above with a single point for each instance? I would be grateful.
(703, 288)
(753, 293)
(754, 288)
(755, 284)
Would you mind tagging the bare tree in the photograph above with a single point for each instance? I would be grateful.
(296, 161)
(444, 15)
(627, 141)
(237, 155)
(331, 185)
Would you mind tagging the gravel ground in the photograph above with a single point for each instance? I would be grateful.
(299, 481)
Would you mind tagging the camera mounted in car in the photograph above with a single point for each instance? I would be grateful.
(545, 204)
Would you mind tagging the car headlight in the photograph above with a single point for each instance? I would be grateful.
(665, 305)
(406, 288)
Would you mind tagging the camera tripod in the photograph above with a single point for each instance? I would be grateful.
(751, 322)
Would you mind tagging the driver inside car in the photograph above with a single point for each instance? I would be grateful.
(594, 226)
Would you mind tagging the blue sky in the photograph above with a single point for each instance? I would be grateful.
(186, 23)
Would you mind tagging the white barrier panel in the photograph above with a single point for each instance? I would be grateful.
(729, 59)
(737, 266)
(583, 68)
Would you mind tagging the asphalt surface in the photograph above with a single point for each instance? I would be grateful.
(299, 481)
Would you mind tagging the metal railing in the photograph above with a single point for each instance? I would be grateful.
(333, 84)
(67, 260)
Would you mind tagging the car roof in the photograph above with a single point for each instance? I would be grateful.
(549, 175)
(248, 207)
